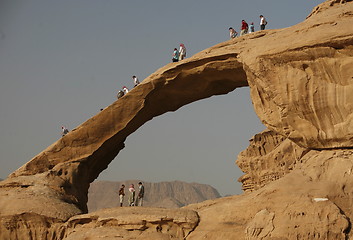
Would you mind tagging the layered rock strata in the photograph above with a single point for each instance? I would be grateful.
(301, 82)
(311, 202)
(269, 157)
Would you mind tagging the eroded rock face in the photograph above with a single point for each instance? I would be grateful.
(287, 208)
(131, 223)
(301, 82)
(269, 157)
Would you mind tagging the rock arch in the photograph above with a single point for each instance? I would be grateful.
(301, 83)
(76, 160)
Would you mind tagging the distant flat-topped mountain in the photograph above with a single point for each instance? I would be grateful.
(104, 194)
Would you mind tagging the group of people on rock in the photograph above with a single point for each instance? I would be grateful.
(246, 29)
(132, 200)
(179, 55)
(124, 90)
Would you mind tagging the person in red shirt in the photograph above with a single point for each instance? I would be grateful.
(244, 28)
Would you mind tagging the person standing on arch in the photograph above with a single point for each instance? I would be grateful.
(136, 81)
(263, 22)
(252, 28)
(232, 33)
(64, 131)
(125, 90)
(175, 55)
(182, 52)
(244, 28)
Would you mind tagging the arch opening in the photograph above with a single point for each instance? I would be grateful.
(198, 143)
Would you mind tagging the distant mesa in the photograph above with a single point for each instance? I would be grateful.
(176, 194)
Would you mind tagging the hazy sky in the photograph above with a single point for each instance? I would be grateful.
(63, 60)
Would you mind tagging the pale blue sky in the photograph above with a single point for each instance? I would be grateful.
(63, 60)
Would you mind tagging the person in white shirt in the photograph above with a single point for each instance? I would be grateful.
(126, 90)
(136, 81)
(232, 33)
(263, 22)
(64, 131)
(182, 52)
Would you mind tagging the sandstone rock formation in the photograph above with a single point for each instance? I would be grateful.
(127, 223)
(298, 174)
(269, 157)
(104, 194)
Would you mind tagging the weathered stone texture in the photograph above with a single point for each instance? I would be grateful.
(269, 157)
(301, 83)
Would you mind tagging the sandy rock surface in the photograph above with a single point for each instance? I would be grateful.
(301, 82)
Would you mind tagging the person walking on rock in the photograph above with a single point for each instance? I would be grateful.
(182, 51)
(140, 194)
(131, 198)
(263, 22)
(122, 194)
(244, 28)
(175, 55)
(232, 33)
(136, 81)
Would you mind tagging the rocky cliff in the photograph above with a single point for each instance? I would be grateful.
(104, 194)
(298, 174)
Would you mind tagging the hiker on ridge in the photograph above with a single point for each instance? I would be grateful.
(182, 52)
(263, 22)
(136, 81)
(175, 55)
(64, 131)
(125, 90)
(232, 33)
(252, 28)
(244, 28)
(120, 94)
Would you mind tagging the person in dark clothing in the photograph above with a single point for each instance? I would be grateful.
(140, 194)
(122, 194)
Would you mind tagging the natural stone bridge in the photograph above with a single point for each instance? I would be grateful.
(301, 81)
